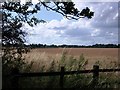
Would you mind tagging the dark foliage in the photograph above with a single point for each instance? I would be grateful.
(73, 46)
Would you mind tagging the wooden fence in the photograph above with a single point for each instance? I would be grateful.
(95, 72)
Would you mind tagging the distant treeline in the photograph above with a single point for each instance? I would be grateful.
(73, 46)
(68, 46)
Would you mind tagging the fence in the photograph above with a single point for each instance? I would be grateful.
(95, 72)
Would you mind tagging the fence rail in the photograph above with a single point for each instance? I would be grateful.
(95, 72)
(36, 74)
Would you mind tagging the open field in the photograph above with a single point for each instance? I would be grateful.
(44, 56)
(77, 51)
(51, 59)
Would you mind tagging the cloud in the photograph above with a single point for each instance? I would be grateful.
(102, 28)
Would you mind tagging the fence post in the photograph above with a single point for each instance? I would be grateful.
(15, 78)
(62, 76)
(95, 75)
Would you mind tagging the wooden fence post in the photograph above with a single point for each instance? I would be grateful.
(95, 75)
(62, 76)
(15, 78)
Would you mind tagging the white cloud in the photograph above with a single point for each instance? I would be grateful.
(102, 28)
(33, 1)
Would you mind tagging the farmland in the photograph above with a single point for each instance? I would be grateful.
(106, 57)
(73, 59)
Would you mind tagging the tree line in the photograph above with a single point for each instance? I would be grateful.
(74, 46)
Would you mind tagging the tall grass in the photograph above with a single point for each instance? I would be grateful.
(45, 63)
(69, 62)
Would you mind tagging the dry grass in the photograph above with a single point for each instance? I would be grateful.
(43, 57)
(49, 59)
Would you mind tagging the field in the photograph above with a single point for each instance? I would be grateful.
(105, 57)
(73, 59)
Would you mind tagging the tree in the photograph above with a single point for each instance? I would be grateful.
(15, 13)
(13, 16)
(12, 34)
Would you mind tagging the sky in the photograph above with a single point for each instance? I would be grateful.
(101, 29)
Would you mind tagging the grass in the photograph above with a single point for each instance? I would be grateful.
(70, 81)
(42, 60)
(44, 57)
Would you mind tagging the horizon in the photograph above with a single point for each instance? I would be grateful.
(70, 44)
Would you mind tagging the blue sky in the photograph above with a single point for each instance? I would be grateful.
(48, 15)
(102, 28)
